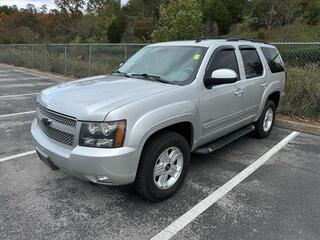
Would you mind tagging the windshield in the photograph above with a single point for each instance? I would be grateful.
(171, 64)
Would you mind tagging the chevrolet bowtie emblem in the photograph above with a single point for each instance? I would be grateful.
(47, 122)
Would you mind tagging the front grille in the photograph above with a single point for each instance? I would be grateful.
(61, 132)
(66, 120)
(55, 134)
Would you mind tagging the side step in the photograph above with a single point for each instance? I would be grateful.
(220, 142)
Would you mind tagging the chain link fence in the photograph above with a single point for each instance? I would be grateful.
(78, 60)
(302, 61)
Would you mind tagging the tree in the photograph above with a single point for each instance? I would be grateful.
(217, 11)
(71, 6)
(116, 29)
(235, 8)
(276, 13)
(44, 9)
(8, 10)
(180, 19)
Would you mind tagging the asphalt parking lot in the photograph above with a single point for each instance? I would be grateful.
(279, 200)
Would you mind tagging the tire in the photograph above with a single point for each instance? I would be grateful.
(147, 183)
(261, 130)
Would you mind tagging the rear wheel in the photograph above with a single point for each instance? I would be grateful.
(163, 166)
(265, 123)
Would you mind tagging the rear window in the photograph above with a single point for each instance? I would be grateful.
(273, 58)
(252, 64)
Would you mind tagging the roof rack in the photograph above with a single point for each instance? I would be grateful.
(236, 39)
(210, 38)
(232, 39)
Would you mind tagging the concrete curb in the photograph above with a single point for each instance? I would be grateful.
(298, 126)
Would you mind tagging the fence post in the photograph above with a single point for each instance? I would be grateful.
(46, 57)
(65, 59)
(17, 54)
(90, 55)
(20, 61)
(32, 56)
(125, 52)
(1, 53)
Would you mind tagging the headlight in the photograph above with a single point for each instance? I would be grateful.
(102, 135)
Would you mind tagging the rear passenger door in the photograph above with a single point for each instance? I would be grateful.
(254, 82)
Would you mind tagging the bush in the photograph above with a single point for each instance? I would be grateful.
(302, 97)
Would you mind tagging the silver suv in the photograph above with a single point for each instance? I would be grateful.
(140, 124)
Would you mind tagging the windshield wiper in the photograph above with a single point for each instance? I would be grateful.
(122, 73)
(152, 77)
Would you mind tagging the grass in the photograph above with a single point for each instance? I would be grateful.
(302, 97)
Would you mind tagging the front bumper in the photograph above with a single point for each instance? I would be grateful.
(116, 166)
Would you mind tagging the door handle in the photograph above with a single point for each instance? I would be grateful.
(264, 84)
(239, 92)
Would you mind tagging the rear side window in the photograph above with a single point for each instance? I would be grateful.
(273, 58)
(224, 59)
(252, 63)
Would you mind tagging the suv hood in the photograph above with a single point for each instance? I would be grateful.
(91, 99)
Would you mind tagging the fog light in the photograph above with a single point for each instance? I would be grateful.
(102, 178)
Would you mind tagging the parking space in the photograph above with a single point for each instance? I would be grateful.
(280, 200)
(18, 103)
(17, 82)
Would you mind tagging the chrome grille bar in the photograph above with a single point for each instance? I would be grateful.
(70, 121)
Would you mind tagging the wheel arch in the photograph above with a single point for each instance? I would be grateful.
(271, 94)
(275, 97)
(184, 128)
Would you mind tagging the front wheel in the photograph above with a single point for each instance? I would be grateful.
(265, 123)
(163, 165)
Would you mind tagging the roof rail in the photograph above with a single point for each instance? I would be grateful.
(231, 39)
(236, 39)
(210, 38)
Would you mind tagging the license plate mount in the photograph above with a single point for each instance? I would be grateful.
(44, 158)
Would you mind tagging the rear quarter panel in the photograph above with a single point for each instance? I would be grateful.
(276, 83)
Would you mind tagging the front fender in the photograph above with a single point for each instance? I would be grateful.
(160, 118)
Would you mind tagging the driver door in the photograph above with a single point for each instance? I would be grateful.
(220, 105)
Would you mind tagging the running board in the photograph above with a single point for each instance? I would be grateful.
(216, 144)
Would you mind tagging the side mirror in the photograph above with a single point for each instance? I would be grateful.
(120, 64)
(221, 76)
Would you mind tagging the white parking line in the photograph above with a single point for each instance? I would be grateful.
(31, 72)
(17, 155)
(16, 114)
(18, 95)
(7, 75)
(38, 84)
(203, 205)
(21, 78)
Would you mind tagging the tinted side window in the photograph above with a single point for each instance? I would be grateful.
(224, 59)
(273, 58)
(252, 63)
